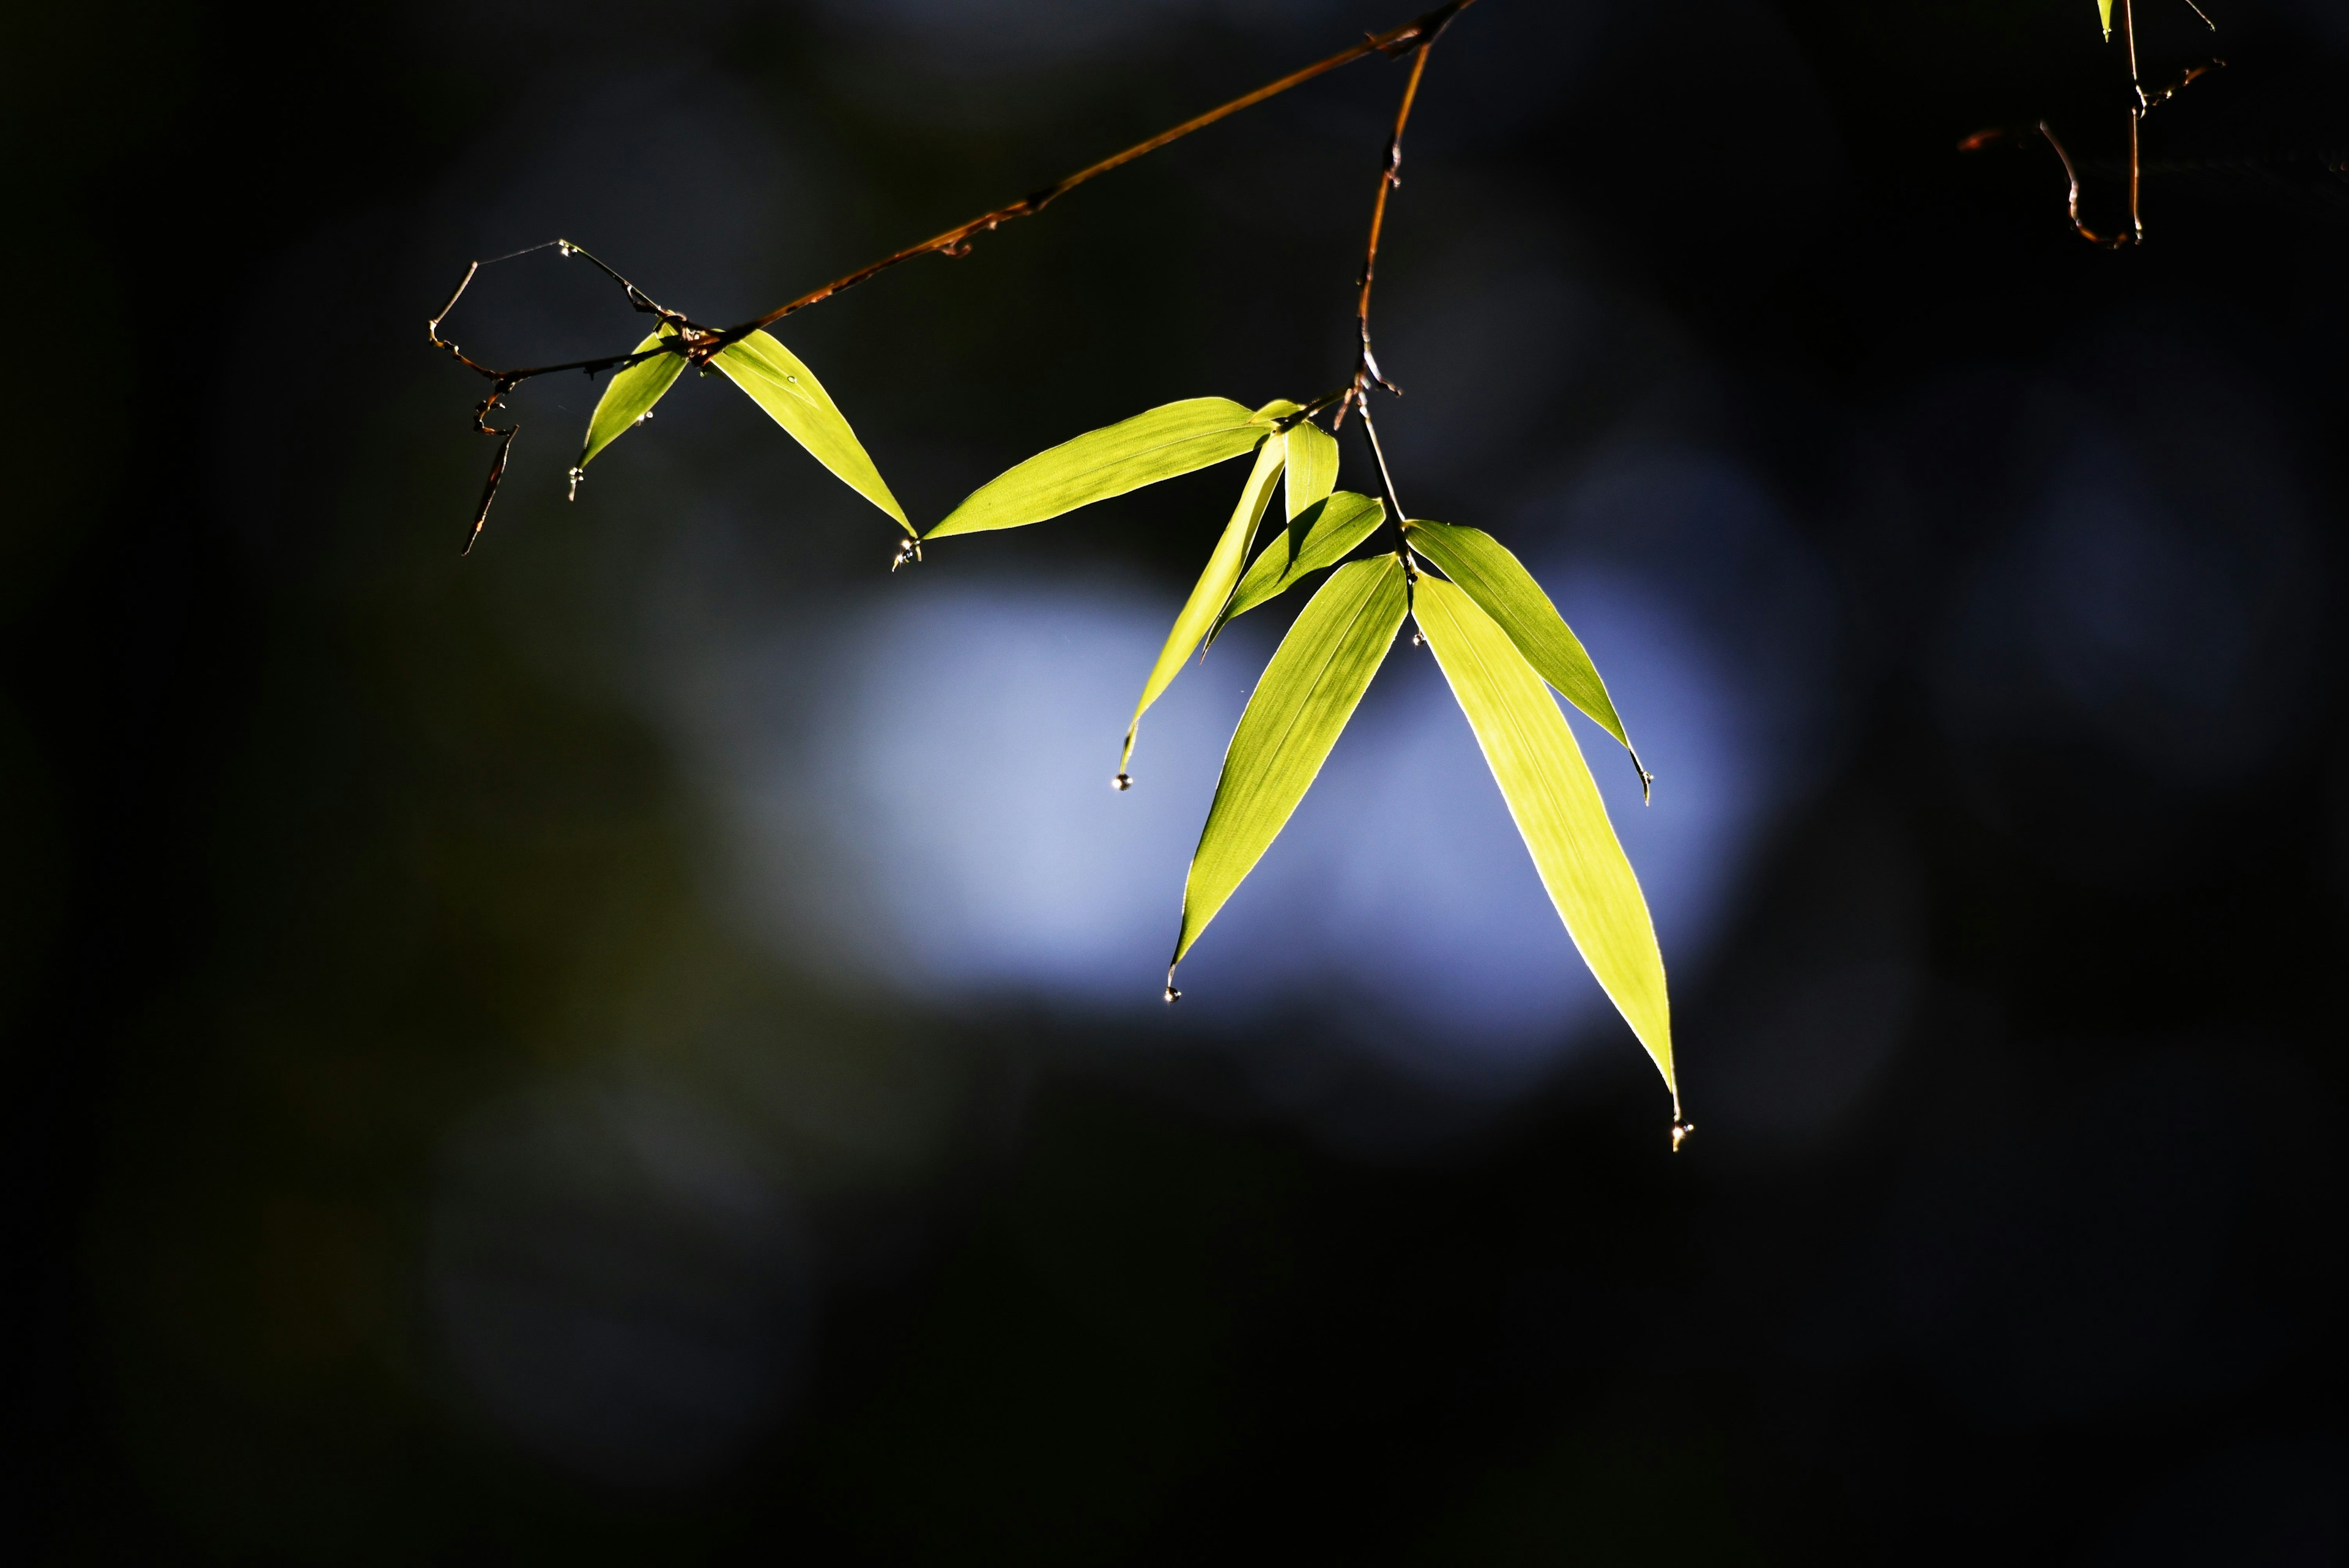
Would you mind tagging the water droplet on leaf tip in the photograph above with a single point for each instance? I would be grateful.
(1123, 781)
(1680, 1134)
(1173, 996)
(1417, 640)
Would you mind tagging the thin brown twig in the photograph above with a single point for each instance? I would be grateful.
(2193, 74)
(2071, 200)
(1412, 34)
(1366, 365)
(1389, 176)
(497, 476)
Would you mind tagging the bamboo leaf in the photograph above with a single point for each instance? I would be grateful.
(1484, 567)
(2105, 14)
(1550, 792)
(1167, 440)
(629, 396)
(1301, 705)
(788, 391)
(1313, 466)
(1322, 537)
(1214, 588)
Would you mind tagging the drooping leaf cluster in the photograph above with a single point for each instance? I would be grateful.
(1499, 640)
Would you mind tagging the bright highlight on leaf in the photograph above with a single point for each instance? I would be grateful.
(1300, 708)
(2105, 14)
(1214, 588)
(1172, 438)
(1313, 466)
(786, 390)
(1550, 791)
(1323, 536)
(631, 393)
(1485, 570)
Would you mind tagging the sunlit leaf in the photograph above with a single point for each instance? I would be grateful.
(1302, 703)
(2105, 14)
(1214, 588)
(1322, 537)
(779, 383)
(1170, 440)
(1505, 590)
(1557, 806)
(1313, 466)
(630, 394)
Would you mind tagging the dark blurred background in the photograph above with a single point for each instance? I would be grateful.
(643, 1044)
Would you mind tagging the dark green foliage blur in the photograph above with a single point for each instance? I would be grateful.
(339, 869)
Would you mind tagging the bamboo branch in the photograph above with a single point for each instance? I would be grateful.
(2144, 105)
(698, 343)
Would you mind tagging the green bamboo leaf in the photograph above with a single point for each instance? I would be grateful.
(1214, 588)
(2105, 14)
(629, 396)
(1301, 705)
(1548, 788)
(788, 391)
(1167, 440)
(1322, 537)
(1505, 590)
(1313, 466)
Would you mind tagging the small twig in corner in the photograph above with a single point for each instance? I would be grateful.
(2144, 105)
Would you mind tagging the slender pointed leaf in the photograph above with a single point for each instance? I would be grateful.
(2105, 14)
(1167, 440)
(1214, 588)
(1548, 788)
(1300, 707)
(1322, 537)
(1313, 466)
(788, 391)
(629, 396)
(1503, 589)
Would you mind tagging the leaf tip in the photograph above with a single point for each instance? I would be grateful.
(1122, 783)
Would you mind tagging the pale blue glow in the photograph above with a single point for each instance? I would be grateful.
(968, 841)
